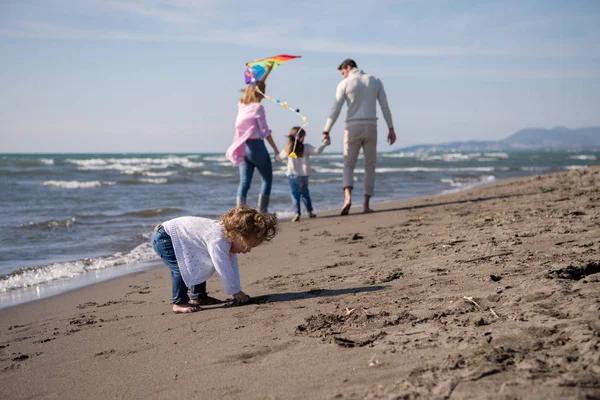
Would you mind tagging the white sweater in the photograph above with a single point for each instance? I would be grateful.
(201, 249)
(361, 91)
(301, 166)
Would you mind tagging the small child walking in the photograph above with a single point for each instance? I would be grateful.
(298, 168)
(194, 248)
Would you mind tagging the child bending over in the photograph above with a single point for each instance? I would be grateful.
(194, 248)
(298, 168)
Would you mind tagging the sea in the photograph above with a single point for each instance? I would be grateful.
(71, 220)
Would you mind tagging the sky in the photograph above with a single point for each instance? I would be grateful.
(165, 75)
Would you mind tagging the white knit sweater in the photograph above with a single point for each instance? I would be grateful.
(201, 249)
(361, 91)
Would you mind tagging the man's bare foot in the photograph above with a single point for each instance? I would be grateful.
(185, 308)
(367, 210)
(312, 215)
(296, 218)
(205, 300)
(345, 209)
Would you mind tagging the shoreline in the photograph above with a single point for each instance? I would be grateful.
(488, 293)
(62, 286)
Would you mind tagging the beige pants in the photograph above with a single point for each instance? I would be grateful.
(355, 137)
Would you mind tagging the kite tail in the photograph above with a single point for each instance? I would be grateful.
(295, 110)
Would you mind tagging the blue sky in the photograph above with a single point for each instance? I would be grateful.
(165, 75)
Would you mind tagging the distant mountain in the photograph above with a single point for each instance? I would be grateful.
(557, 138)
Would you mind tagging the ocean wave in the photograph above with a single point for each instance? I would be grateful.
(329, 156)
(155, 212)
(327, 180)
(402, 154)
(212, 173)
(156, 181)
(448, 157)
(51, 224)
(33, 162)
(77, 184)
(32, 276)
(166, 173)
(583, 157)
(460, 182)
(497, 155)
(216, 158)
(572, 167)
(132, 166)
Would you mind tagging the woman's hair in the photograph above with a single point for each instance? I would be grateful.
(245, 222)
(296, 130)
(251, 95)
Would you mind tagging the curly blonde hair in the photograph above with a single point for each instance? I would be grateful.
(246, 223)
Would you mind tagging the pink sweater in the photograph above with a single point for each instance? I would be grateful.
(250, 123)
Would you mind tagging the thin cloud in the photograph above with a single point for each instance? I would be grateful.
(267, 38)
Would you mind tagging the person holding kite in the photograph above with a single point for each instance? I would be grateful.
(248, 150)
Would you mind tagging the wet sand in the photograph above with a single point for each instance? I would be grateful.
(490, 293)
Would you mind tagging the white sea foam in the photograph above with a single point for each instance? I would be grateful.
(448, 157)
(497, 155)
(216, 158)
(166, 173)
(285, 214)
(572, 167)
(77, 184)
(468, 182)
(329, 156)
(535, 168)
(459, 184)
(402, 154)
(412, 169)
(47, 161)
(26, 277)
(212, 173)
(583, 157)
(156, 181)
(131, 166)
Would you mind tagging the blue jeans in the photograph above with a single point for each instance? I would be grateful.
(163, 246)
(299, 186)
(258, 157)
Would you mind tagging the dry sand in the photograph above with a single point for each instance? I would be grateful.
(491, 293)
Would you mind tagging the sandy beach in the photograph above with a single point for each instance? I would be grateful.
(488, 293)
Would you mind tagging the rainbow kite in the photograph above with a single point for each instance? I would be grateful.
(256, 69)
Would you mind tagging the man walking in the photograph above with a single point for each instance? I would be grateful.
(361, 91)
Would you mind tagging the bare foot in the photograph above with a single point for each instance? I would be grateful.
(296, 218)
(185, 308)
(205, 300)
(367, 210)
(312, 215)
(345, 209)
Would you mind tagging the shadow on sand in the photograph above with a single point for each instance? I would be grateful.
(291, 296)
(444, 203)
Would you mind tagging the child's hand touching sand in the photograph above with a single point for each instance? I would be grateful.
(240, 298)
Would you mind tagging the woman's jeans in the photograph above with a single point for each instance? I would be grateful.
(258, 157)
(163, 246)
(299, 186)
